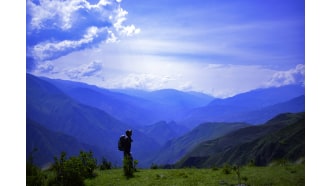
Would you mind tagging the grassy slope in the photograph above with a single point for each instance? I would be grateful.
(287, 143)
(266, 142)
(287, 175)
(177, 148)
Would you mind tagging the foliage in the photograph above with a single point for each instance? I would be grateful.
(281, 162)
(135, 162)
(244, 178)
(154, 166)
(74, 170)
(226, 168)
(105, 164)
(215, 168)
(34, 175)
(251, 163)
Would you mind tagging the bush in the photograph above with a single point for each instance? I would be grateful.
(105, 164)
(89, 164)
(154, 166)
(215, 168)
(226, 169)
(251, 163)
(74, 170)
(135, 162)
(34, 175)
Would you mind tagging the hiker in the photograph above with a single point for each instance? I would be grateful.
(127, 145)
(124, 144)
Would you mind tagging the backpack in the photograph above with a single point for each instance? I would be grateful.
(121, 142)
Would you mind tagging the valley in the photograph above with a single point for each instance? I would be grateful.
(171, 128)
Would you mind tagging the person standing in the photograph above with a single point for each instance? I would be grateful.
(128, 159)
(128, 144)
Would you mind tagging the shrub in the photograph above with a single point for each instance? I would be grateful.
(251, 163)
(135, 162)
(226, 169)
(215, 168)
(89, 164)
(34, 175)
(280, 162)
(154, 166)
(74, 170)
(105, 164)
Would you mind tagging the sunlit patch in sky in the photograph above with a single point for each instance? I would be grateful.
(220, 48)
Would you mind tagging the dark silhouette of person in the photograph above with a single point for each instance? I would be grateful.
(127, 147)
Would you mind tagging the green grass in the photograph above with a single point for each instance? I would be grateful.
(288, 175)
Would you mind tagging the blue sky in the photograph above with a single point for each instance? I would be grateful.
(219, 47)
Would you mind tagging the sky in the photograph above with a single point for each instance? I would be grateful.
(218, 47)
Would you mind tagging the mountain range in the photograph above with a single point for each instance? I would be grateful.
(255, 107)
(134, 106)
(167, 124)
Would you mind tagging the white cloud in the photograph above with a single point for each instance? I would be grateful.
(292, 76)
(145, 81)
(59, 13)
(63, 14)
(86, 70)
(64, 23)
(45, 67)
(130, 30)
(186, 86)
(111, 37)
(118, 19)
(47, 49)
